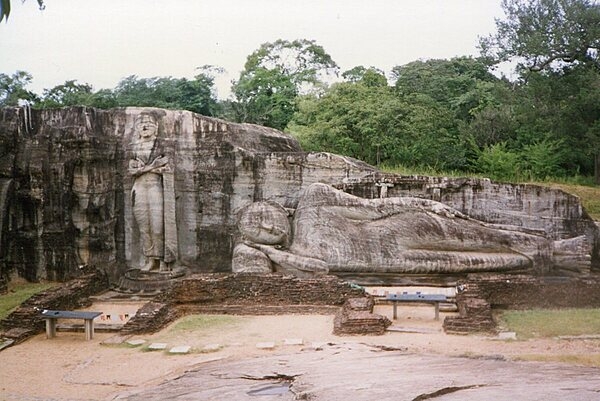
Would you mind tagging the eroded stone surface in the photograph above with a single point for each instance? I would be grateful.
(361, 373)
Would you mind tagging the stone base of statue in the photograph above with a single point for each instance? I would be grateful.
(137, 281)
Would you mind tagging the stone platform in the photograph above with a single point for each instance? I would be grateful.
(136, 281)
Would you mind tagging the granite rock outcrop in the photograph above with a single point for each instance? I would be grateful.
(66, 192)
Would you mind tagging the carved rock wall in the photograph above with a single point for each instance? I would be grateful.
(522, 205)
(65, 195)
(555, 213)
(65, 192)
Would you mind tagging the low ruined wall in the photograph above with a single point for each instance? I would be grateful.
(26, 320)
(260, 289)
(242, 294)
(356, 317)
(478, 296)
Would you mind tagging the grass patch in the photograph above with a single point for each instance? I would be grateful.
(198, 323)
(589, 195)
(18, 293)
(544, 323)
(425, 171)
(592, 360)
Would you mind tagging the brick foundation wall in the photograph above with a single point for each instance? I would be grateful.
(240, 293)
(70, 295)
(478, 296)
(260, 289)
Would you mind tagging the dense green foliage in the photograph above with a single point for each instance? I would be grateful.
(273, 77)
(12, 89)
(170, 93)
(443, 115)
(455, 114)
(197, 95)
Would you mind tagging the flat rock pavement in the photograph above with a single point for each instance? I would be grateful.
(358, 372)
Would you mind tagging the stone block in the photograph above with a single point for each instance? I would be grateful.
(293, 341)
(211, 347)
(266, 345)
(507, 335)
(180, 349)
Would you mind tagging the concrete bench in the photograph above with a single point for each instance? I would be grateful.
(52, 316)
(418, 297)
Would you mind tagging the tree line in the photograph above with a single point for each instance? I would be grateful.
(443, 114)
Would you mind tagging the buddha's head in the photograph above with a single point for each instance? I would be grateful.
(146, 126)
(265, 223)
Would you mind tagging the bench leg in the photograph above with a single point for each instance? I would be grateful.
(50, 328)
(89, 329)
(437, 311)
(395, 310)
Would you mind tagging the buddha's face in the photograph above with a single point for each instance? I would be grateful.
(146, 127)
(265, 223)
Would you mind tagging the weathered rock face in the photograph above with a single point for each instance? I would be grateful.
(337, 232)
(66, 191)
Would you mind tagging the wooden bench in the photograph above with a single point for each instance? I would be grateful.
(52, 316)
(418, 297)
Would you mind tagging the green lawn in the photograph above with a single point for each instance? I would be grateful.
(540, 323)
(201, 323)
(18, 293)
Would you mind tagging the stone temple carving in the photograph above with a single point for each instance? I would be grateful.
(153, 208)
(336, 232)
(134, 188)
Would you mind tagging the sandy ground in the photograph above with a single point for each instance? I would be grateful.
(69, 368)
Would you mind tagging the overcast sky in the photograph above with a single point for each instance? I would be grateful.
(101, 41)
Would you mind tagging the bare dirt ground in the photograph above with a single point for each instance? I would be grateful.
(225, 363)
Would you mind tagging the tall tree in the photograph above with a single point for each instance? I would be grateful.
(561, 40)
(196, 95)
(462, 84)
(13, 89)
(542, 34)
(374, 124)
(70, 93)
(274, 75)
